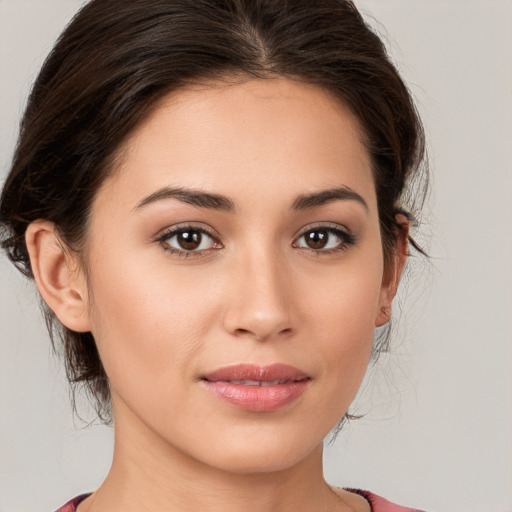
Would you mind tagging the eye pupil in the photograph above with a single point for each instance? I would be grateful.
(189, 240)
(317, 239)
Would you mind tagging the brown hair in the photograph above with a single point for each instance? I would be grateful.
(116, 59)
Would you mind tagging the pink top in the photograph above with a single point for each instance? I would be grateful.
(377, 504)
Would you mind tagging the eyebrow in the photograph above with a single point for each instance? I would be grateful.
(190, 196)
(213, 201)
(316, 199)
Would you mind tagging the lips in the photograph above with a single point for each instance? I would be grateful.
(257, 388)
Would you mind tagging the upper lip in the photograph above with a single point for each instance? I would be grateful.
(257, 373)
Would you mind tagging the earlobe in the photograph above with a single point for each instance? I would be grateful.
(394, 272)
(383, 316)
(56, 272)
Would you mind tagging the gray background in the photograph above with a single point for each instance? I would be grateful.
(439, 432)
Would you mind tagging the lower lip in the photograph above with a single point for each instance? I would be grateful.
(258, 398)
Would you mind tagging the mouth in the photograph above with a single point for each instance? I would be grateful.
(257, 388)
(258, 382)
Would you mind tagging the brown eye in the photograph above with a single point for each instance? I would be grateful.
(316, 239)
(324, 239)
(188, 240)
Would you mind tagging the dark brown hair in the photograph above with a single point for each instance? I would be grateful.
(117, 58)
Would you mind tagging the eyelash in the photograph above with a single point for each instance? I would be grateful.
(165, 237)
(345, 237)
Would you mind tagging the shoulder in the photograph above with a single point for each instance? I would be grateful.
(379, 504)
(71, 505)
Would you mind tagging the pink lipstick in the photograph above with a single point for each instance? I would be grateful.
(257, 388)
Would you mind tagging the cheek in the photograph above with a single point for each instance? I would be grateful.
(341, 319)
(345, 299)
(147, 323)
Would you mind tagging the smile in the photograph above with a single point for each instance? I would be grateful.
(257, 388)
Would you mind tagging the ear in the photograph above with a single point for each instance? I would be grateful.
(58, 277)
(393, 273)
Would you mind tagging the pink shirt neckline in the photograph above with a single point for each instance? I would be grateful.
(377, 503)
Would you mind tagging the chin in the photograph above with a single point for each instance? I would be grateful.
(264, 452)
(259, 463)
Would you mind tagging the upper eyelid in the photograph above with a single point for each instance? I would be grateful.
(172, 230)
(333, 226)
(346, 236)
(163, 239)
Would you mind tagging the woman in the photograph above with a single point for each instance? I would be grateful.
(211, 197)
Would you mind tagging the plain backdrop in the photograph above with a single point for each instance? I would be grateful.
(438, 433)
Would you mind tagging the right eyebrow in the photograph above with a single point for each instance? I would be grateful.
(190, 196)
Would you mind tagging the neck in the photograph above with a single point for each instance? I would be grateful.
(149, 474)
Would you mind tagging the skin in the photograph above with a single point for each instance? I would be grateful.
(253, 293)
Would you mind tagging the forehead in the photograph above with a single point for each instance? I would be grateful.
(246, 140)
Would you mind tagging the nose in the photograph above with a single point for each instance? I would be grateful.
(259, 307)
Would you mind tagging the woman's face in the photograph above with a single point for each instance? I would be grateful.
(236, 274)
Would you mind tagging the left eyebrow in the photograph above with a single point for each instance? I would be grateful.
(316, 199)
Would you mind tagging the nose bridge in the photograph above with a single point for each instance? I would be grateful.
(259, 305)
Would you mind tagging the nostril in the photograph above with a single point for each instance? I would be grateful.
(242, 332)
